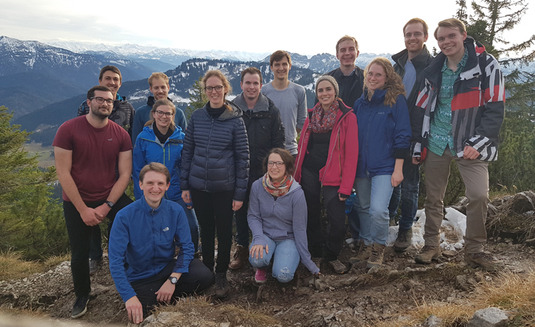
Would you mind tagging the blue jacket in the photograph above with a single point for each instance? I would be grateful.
(143, 115)
(149, 149)
(384, 133)
(215, 157)
(143, 241)
(280, 219)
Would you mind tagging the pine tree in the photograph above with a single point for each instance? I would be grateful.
(197, 99)
(30, 222)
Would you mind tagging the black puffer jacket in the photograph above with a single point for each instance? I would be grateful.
(264, 131)
(215, 156)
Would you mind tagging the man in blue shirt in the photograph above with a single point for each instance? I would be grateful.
(143, 242)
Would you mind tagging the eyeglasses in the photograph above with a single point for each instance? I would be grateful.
(101, 100)
(278, 164)
(163, 113)
(217, 88)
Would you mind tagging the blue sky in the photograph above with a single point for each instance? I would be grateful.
(298, 26)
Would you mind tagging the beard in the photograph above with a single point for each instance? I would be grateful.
(98, 114)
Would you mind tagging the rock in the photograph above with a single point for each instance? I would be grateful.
(488, 317)
(433, 321)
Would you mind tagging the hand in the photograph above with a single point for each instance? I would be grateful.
(470, 153)
(186, 197)
(165, 293)
(102, 211)
(397, 178)
(236, 205)
(258, 250)
(416, 160)
(135, 310)
(342, 197)
(90, 216)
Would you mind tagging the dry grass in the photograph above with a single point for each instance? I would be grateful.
(511, 292)
(12, 266)
(198, 311)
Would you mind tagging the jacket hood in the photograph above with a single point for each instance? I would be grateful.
(262, 104)
(378, 96)
(148, 133)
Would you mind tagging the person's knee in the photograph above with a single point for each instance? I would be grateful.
(284, 275)
(259, 263)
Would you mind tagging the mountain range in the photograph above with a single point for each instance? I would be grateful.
(43, 84)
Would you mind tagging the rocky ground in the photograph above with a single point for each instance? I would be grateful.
(357, 298)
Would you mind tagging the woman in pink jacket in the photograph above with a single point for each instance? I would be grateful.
(326, 167)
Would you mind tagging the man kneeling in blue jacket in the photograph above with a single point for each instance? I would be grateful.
(143, 243)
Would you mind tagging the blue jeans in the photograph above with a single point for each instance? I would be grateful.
(352, 216)
(193, 223)
(285, 259)
(373, 194)
(406, 194)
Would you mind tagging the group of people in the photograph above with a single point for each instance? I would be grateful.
(275, 166)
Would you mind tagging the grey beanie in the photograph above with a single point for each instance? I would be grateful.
(331, 80)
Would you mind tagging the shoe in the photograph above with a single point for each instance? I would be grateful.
(481, 259)
(80, 307)
(403, 241)
(376, 257)
(260, 276)
(363, 253)
(428, 254)
(338, 266)
(94, 265)
(221, 285)
(241, 256)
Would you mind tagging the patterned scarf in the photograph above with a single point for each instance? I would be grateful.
(277, 189)
(323, 121)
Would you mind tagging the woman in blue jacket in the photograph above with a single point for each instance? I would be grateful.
(214, 171)
(384, 142)
(161, 141)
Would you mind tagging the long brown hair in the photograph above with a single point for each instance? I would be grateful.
(393, 83)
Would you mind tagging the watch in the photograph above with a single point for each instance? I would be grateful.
(110, 204)
(173, 280)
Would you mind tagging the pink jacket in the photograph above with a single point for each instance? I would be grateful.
(341, 165)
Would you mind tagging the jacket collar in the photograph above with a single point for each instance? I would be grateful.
(261, 105)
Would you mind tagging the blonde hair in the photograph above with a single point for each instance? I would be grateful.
(159, 103)
(393, 83)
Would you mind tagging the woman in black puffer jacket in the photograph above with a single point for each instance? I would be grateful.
(214, 171)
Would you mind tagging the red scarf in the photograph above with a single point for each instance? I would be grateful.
(323, 121)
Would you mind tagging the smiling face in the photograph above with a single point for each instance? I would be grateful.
(216, 97)
(326, 93)
(414, 38)
(154, 185)
(163, 116)
(101, 110)
(276, 167)
(376, 77)
(347, 53)
(281, 68)
(251, 86)
(112, 81)
(159, 89)
(451, 42)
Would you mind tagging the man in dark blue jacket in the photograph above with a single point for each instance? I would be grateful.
(265, 132)
(409, 64)
(143, 243)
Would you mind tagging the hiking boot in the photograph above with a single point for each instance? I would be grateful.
(481, 259)
(363, 253)
(260, 275)
(376, 257)
(80, 307)
(428, 254)
(338, 266)
(240, 258)
(403, 241)
(94, 265)
(221, 285)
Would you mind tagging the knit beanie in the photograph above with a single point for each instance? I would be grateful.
(330, 79)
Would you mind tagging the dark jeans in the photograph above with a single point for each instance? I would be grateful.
(323, 239)
(80, 236)
(214, 212)
(407, 194)
(242, 226)
(196, 280)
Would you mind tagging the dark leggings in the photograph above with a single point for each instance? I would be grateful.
(214, 213)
